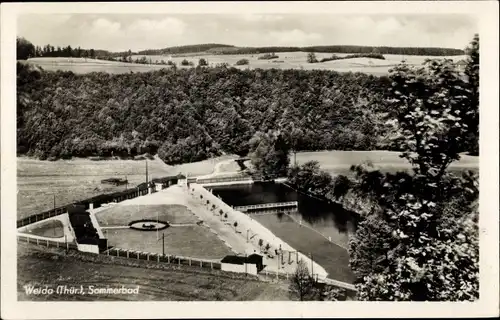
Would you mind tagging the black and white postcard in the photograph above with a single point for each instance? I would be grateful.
(249, 159)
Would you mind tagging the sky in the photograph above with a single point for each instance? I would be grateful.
(121, 32)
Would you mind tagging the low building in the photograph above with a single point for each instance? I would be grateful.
(251, 264)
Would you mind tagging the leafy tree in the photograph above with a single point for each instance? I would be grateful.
(302, 285)
(24, 49)
(472, 72)
(311, 57)
(269, 154)
(419, 240)
(203, 62)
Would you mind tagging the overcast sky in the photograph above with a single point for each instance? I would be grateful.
(120, 32)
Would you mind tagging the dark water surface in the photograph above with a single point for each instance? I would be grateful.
(320, 221)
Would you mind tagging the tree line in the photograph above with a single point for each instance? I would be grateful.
(191, 114)
(229, 49)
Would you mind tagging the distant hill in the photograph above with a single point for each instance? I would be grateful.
(214, 48)
(195, 48)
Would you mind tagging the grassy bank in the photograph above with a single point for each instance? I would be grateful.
(52, 267)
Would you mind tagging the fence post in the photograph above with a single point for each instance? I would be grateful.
(147, 257)
(201, 264)
(67, 246)
(168, 258)
(37, 242)
(57, 244)
(47, 243)
(158, 258)
(211, 265)
(127, 253)
(137, 255)
(189, 261)
(108, 251)
(179, 259)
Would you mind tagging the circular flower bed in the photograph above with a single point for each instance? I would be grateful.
(148, 225)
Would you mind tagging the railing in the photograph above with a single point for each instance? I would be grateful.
(160, 258)
(267, 205)
(47, 243)
(223, 179)
(130, 254)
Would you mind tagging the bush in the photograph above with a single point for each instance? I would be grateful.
(242, 62)
(268, 56)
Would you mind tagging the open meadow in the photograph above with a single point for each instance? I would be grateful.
(38, 182)
(339, 162)
(53, 267)
(84, 65)
(285, 60)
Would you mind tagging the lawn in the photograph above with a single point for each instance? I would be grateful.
(188, 241)
(52, 267)
(286, 60)
(122, 215)
(77, 179)
(50, 228)
(339, 162)
(334, 259)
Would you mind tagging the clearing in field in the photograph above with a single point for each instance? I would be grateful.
(285, 60)
(339, 162)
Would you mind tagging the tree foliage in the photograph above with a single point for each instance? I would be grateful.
(269, 154)
(195, 113)
(419, 241)
(24, 49)
(302, 285)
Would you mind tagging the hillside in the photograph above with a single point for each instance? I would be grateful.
(192, 114)
(53, 267)
(230, 49)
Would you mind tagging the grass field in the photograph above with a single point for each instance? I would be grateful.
(339, 162)
(82, 65)
(188, 241)
(72, 180)
(49, 228)
(286, 60)
(122, 215)
(52, 267)
(334, 259)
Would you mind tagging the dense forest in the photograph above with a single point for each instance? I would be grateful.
(191, 114)
(228, 49)
(26, 50)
